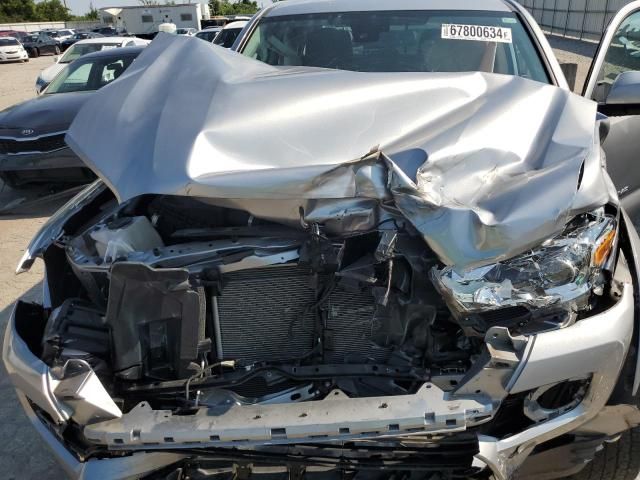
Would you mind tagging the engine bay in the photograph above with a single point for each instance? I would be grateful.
(165, 310)
(172, 290)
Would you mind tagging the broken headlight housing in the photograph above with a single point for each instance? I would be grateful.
(564, 270)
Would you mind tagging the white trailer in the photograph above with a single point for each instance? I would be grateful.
(144, 20)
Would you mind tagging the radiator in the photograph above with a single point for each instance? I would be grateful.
(261, 314)
(262, 317)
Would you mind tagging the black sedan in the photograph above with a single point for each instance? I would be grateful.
(32, 146)
(41, 44)
(106, 31)
(77, 37)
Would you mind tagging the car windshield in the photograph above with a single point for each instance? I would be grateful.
(227, 37)
(7, 42)
(79, 49)
(207, 35)
(90, 74)
(399, 41)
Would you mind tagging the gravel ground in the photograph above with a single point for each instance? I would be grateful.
(24, 455)
(574, 51)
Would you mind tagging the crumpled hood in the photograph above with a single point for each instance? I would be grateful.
(43, 114)
(484, 166)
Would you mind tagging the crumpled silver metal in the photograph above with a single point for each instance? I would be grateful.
(484, 166)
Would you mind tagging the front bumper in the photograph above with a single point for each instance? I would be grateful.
(14, 57)
(131, 467)
(61, 158)
(594, 347)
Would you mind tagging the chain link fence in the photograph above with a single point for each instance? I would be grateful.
(582, 19)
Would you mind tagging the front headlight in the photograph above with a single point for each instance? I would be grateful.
(564, 270)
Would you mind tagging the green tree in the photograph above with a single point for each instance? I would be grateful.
(17, 11)
(227, 7)
(93, 14)
(52, 11)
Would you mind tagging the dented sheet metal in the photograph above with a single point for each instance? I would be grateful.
(484, 166)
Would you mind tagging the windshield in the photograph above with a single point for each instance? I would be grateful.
(400, 41)
(87, 75)
(7, 42)
(79, 49)
(227, 37)
(207, 35)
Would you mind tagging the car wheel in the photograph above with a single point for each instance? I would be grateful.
(616, 461)
(57, 50)
(36, 53)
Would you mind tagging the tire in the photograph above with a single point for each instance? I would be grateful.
(57, 50)
(616, 461)
(36, 53)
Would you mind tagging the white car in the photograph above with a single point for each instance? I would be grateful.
(189, 32)
(11, 50)
(208, 34)
(229, 33)
(82, 48)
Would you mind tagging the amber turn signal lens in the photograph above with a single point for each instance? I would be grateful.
(602, 251)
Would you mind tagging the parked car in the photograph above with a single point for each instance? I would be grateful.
(41, 44)
(229, 33)
(417, 265)
(189, 32)
(83, 47)
(65, 44)
(106, 31)
(32, 145)
(11, 50)
(59, 35)
(208, 34)
(14, 33)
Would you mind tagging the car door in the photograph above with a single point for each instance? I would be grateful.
(614, 82)
(45, 43)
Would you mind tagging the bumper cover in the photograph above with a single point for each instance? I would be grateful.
(62, 158)
(130, 467)
(14, 57)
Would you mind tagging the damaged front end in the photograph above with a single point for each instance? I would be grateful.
(330, 315)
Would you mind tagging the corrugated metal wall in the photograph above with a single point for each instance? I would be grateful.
(583, 19)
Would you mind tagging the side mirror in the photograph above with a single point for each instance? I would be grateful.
(625, 90)
(604, 126)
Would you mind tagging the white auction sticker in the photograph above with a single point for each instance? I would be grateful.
(482, 33)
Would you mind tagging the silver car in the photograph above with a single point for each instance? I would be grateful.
(383, 242)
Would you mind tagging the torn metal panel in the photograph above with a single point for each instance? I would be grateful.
(484, 166)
